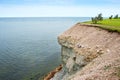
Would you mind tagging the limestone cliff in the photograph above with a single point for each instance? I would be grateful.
(89, 53)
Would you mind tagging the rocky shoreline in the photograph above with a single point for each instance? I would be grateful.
(88, 53)
(52, 73)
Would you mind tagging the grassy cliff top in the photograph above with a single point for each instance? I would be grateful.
(108, 24)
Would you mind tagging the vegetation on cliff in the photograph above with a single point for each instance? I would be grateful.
(97, 18)
(111, 24)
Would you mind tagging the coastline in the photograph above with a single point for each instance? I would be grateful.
(52, 73)
(83, 47)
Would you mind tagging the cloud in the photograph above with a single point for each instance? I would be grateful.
(94, 3)
(56, 11)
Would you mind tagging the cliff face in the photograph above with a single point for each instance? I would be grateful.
(89, 53)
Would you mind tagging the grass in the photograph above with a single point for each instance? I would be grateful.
(112, 25)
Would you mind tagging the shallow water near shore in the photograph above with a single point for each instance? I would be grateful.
(29, 47)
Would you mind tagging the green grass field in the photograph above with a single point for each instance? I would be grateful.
(109, 24)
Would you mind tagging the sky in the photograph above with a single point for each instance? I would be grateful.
(58, 8)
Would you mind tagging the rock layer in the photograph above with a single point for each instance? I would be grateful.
(89, 53)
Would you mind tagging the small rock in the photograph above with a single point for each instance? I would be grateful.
(108, 50)
(80, 46)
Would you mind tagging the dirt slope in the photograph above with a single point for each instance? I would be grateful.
(101, 51)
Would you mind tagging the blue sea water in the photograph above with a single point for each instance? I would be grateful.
(29, 47)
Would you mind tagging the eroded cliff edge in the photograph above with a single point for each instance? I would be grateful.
(89, 53)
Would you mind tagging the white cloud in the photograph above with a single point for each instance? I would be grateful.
(56, 11)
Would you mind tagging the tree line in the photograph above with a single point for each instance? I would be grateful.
(99, 17)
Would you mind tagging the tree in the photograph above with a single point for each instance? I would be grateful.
(100, 18)
(97, 18)
(111, 17)
(116, 16)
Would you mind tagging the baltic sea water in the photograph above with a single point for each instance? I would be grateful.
(29, 47)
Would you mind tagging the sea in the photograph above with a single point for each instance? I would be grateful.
(28, 45)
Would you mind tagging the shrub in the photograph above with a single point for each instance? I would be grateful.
(94, 20)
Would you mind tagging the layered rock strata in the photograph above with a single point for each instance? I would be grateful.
(89, 53)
